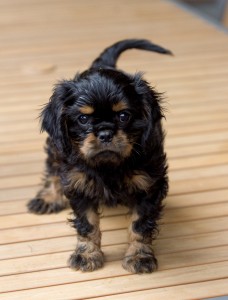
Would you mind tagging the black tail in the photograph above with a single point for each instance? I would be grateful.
(110, 55)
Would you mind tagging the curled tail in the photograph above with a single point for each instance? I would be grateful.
(110, 55)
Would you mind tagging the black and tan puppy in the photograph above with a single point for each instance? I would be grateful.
(105, 147)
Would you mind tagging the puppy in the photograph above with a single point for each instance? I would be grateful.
(105, 147)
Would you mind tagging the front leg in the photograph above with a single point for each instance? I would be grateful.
(88, 255)
(139, 257)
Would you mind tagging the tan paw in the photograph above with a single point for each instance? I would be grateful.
(86, 261)
(140, 263)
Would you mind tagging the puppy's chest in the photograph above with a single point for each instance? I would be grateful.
(109, 188)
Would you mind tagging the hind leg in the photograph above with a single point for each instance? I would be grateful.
(50, 199)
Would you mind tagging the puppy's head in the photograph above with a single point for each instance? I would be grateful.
(102, 116)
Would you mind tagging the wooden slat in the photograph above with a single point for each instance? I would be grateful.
(116, 285)
(61, 229)
(171, 216)
(18, 193)
(202, 290)
(197, 198)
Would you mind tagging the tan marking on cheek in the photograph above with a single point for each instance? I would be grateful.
(128, 150)
(123, 144)
(89, 145)
(119, 106)
(88, 110)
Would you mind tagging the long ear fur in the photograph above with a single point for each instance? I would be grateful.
(152, 110)
(53, 119)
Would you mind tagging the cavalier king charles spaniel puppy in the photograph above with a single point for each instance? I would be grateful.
(105, 147)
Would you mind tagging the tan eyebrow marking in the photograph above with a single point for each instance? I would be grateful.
(119, 106)
(88, 110)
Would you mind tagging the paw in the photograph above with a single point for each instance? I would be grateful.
(140, 263)
(39, 206)
(86, 261)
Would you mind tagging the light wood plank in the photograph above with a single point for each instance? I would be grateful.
(203, 160)
(197, 172)
(61, 229)
(79, 290)
(196, 185)
(198, 198)
(18, 193)
(170, 215)
(63, 275)
(202, 290)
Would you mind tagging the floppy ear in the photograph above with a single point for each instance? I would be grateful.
(152, 109)
(53, 119)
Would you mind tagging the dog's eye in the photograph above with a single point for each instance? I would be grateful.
(124, 117)
(83, 119)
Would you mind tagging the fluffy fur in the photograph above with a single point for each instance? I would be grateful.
(105, 147)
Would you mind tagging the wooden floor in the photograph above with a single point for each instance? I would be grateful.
(42, 41)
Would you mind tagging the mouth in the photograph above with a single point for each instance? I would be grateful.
(106, 152)
(107, 157)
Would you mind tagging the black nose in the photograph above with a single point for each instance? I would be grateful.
(105, 136)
